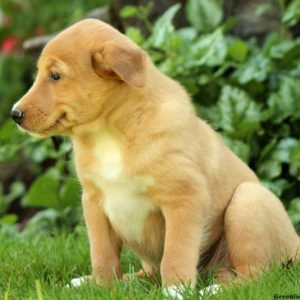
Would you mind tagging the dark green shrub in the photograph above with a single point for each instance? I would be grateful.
(249, 92)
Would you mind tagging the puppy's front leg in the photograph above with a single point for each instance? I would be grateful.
(184, 223)
(105, 246)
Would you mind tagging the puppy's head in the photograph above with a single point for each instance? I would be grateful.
(79, 72)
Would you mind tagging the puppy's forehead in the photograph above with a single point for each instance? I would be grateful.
(77, 43)
(86, 33)
(82, 37)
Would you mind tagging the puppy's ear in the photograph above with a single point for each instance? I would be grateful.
(117, 62)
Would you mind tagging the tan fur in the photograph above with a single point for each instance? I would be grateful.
(155, 177)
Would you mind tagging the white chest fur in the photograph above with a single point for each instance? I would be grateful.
(125, 202)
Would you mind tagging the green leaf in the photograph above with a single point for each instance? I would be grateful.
(187, 33)
(238, 50)
(9, 219)
(70, 193)
(9, 131)
(128, 11)
(135, 35)
(205, 15)
(257, 68)
(17, 189)
(294, 210)
(286, 102)
(274, 156)
(284, 150)
(210, 49)
(295, 205)
(190, 85)
(44, 221)
(8, 152)
(163, 28)
(269, 169)
(268, 150)
(238, 114)
(292, 14)
(286, 49)
(286, 52)
(295, 162)
(44, 190)
(295, 157)
(39, 153)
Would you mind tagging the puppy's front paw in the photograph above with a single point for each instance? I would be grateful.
(210, 290)
(76, 282)
(174, 292)
(178, 292)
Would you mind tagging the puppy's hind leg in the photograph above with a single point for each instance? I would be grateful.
(258, 230)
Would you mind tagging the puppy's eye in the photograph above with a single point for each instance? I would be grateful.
(54, 76)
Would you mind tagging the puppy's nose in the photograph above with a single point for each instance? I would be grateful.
(17, 114)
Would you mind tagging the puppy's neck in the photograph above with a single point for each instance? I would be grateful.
(125, 117)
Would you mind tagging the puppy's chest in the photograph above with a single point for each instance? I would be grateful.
(125, 201)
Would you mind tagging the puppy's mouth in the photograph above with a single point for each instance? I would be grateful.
(55, 123)
(56, 126)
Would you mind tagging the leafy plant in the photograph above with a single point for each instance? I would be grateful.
(248, 91)
(199, 13)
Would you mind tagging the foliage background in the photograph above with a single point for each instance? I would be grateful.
(249, 90)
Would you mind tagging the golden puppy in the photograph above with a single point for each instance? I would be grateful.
(155, 177)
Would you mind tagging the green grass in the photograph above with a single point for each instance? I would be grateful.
(40, 267)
